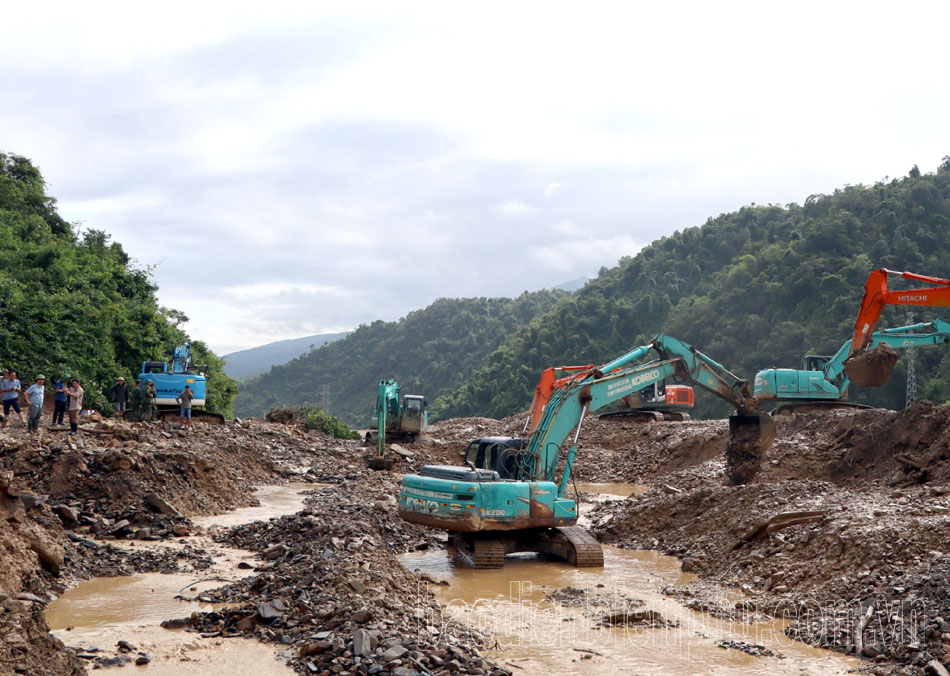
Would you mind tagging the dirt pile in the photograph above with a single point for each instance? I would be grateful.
(849, 512)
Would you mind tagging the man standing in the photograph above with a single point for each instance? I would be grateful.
(74, 393)
(120, 396)
(59, 409)
(34, 394)
(151, 408)
(10, 387)
(184, 413)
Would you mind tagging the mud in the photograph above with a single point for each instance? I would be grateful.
(839, 540)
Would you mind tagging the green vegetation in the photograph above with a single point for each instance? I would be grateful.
(315, 419)
(429, 352)
(72, 303)
(755, 288)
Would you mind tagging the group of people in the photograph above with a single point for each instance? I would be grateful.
(139, 401)
(69, 394)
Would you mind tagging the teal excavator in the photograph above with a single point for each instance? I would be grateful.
(395, 420)
(822, 382)
(509, 497)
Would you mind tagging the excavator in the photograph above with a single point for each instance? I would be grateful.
(395, 420)
(509, 497)
(659, 401)
(822, 382)
(865, 365)
(171, 381)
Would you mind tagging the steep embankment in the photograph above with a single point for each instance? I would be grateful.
(755, 288)
(428, 351)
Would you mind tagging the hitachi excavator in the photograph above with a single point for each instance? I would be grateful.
(508, 498)
(822, 382)
(864, 366)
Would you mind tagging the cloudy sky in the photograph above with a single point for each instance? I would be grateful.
(288, 170)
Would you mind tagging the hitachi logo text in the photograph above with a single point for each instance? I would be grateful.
(911, 298)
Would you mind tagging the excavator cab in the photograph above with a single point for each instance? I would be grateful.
(499, 454)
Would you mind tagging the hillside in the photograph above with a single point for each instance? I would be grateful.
(429, 351)
(755, 288)
(245, 364)
(73, 303)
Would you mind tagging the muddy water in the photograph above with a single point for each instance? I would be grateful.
(99, 612)
(542, 637)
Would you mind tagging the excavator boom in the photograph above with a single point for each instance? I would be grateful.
(868, 369)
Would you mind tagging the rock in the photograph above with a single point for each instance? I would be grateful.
(26, 596)
(143, 533)
(161, 505)
(361, 616)
(395, 653)
(180, 529)
(363, 643)
(314, 648)
(125, 647)
(271, 610)
(66, 514)
(142, 659)
(935, 668)
(122, 527)
(50, 554)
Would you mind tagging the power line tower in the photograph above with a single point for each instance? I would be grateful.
(911, 371)
(325, 398)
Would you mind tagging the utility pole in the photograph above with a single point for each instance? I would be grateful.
(911, 371)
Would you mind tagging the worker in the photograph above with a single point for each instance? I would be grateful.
(61, 400)
(119, 396)
(136, 398)
(10, 388)
(151, 407)
(74, 392)
(34, 395)
(184, 413)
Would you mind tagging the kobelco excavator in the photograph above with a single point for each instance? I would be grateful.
(509, 497)
(822, 382)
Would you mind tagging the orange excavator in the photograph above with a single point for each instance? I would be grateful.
(656, 402)
(870, 366)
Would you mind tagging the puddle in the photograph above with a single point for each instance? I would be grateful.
(540, 636)
(102, 611)
(275, 501)
(618, 490)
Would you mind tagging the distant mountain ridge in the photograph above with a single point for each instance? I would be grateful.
(253, 361)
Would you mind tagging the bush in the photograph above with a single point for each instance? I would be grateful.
(313, 418)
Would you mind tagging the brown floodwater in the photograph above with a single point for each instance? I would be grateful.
(99, 612)
(539, 636)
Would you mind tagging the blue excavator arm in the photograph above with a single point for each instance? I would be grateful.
(570, 404)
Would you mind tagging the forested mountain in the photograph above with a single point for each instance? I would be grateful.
(428, 352)
(755, 288)
(256, 360)
(73, 304)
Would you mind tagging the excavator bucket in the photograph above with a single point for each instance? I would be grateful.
(379, 463)
(750, 436)
(871, 368)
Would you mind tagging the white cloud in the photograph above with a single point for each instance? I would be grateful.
(514, 208)
(567, 228)
(555, 187)
(580, 256)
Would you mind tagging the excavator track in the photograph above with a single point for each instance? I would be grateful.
(479, 553)
(587, 552)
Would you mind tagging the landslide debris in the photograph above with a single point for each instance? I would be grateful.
(846, 523)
